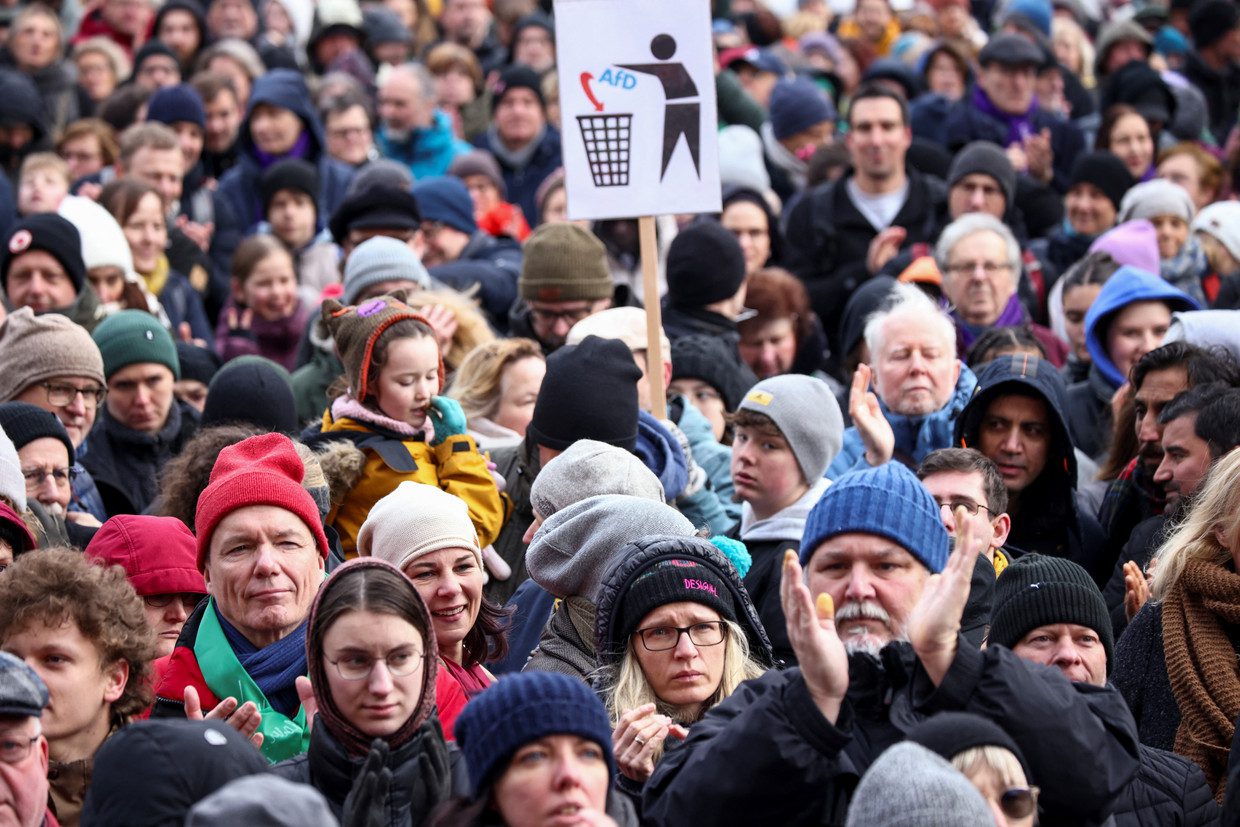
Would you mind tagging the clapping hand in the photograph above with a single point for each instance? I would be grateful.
(867, 415)
(934, 625)
(814, 639)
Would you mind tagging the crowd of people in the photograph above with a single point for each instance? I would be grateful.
(340, 484)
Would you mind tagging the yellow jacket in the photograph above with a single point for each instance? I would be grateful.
(454, 466)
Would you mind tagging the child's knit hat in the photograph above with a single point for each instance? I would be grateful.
(356, 328)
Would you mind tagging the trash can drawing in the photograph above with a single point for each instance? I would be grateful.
(607, 147)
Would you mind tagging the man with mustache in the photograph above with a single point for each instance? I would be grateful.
(794, 742)
(1016, 419)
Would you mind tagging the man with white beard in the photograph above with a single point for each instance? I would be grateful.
(876, 626)
(46, 456)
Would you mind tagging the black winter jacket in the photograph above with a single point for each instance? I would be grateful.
(828, 238)
(1169, 791)
(518, 465)
(1140, 548)
(126, 463)
(1140, 674)
(1089, 414)
(425, 772)
(966, 123)
(786, 764)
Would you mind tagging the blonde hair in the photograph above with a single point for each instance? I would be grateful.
(625, 685)
(1063, 29)
(476, 383)
(998, 760)
(45, 162)
(1217, 503)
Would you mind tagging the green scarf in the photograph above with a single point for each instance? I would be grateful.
(283, 737)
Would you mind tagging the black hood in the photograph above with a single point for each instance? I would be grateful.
(1027, 376)
(638, 556)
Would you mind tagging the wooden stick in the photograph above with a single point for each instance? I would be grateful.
(654, 320)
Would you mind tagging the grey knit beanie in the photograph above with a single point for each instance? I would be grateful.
(910, 786)
(806, 413)
(984, 158)
(589, 469)
(1154, 198)
(37, 348)
(381, 259)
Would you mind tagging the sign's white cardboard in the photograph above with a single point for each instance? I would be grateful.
(637, 102)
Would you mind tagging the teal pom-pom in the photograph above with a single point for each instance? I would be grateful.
(735, 551)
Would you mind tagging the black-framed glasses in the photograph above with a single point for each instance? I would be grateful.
(548, 316)
(16, 748)
(61, 476)
(968, 505)
(61, 394)
(1019, 802)
(662, 638)
(401, 664)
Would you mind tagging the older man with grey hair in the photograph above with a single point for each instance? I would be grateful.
(980, 260)
(904, 403)
(23, 748)
(412, 130)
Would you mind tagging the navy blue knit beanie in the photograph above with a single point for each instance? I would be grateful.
(521, 708)
(887, 501)
(445, 199)
(177, 104)
(798, 104)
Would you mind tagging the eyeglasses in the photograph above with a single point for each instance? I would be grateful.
(161, 601)
(1019, 802)
(662, 638)
(990, 268)
(358, 667)
(61, 476)
(548, 316)
(968, 505)
(15, 749)
(59, 394)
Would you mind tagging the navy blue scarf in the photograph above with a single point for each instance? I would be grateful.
(274, 667)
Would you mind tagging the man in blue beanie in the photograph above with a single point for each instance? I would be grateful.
(459, 254)
(880, 650)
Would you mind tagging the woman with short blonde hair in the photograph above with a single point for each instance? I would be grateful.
(497, 384)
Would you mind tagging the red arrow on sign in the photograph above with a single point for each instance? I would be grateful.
(586, 77)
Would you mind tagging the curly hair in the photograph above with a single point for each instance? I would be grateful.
(186, 475)
(55, 585)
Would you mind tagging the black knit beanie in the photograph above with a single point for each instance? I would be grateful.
(1037, 590)
(52, 234)
(672, 581)
(24, 423)
(290, 174)
(705, 265)
(709, 360)
(516, 76)
(197, 363)
(589, 392)
(1106, 172)
(251, 390)
(950, 733)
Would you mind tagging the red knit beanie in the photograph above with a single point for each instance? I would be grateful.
(261, 470)
(158, 554)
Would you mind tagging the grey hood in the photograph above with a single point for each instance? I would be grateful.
(575, 546)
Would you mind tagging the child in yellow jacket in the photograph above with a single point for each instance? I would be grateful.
(392, 410)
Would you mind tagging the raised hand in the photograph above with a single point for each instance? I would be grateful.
(867, 415)
(1040, 155)
(443, 321)
(883, 248)
(814, 639)
(244, 719)
(366, 803)
(305, 694)
(934, 625)
(1136, 589)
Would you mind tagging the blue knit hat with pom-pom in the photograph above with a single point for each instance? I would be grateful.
(521, 708)
(887, 501)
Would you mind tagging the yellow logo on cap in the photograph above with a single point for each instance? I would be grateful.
(759, 397)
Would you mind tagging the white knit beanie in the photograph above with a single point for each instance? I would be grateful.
(415, 520)
(103, 241)
(12, 483)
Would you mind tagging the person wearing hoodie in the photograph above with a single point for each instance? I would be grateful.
(788, 429)
(1017, 419)
(412, 131)
(1126, 321)
(676, 633)
(23, 114)
(920, 387)
(159, 556)
(587, 469)
(371, 660)
(181, 25)
(568, 556)
(280, 122)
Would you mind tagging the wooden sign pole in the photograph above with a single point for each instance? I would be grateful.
(654, 321)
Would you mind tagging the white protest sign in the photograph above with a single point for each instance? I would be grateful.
(637, 102)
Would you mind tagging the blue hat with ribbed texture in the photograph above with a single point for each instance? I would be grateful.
(521, 708)
(887, 501)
